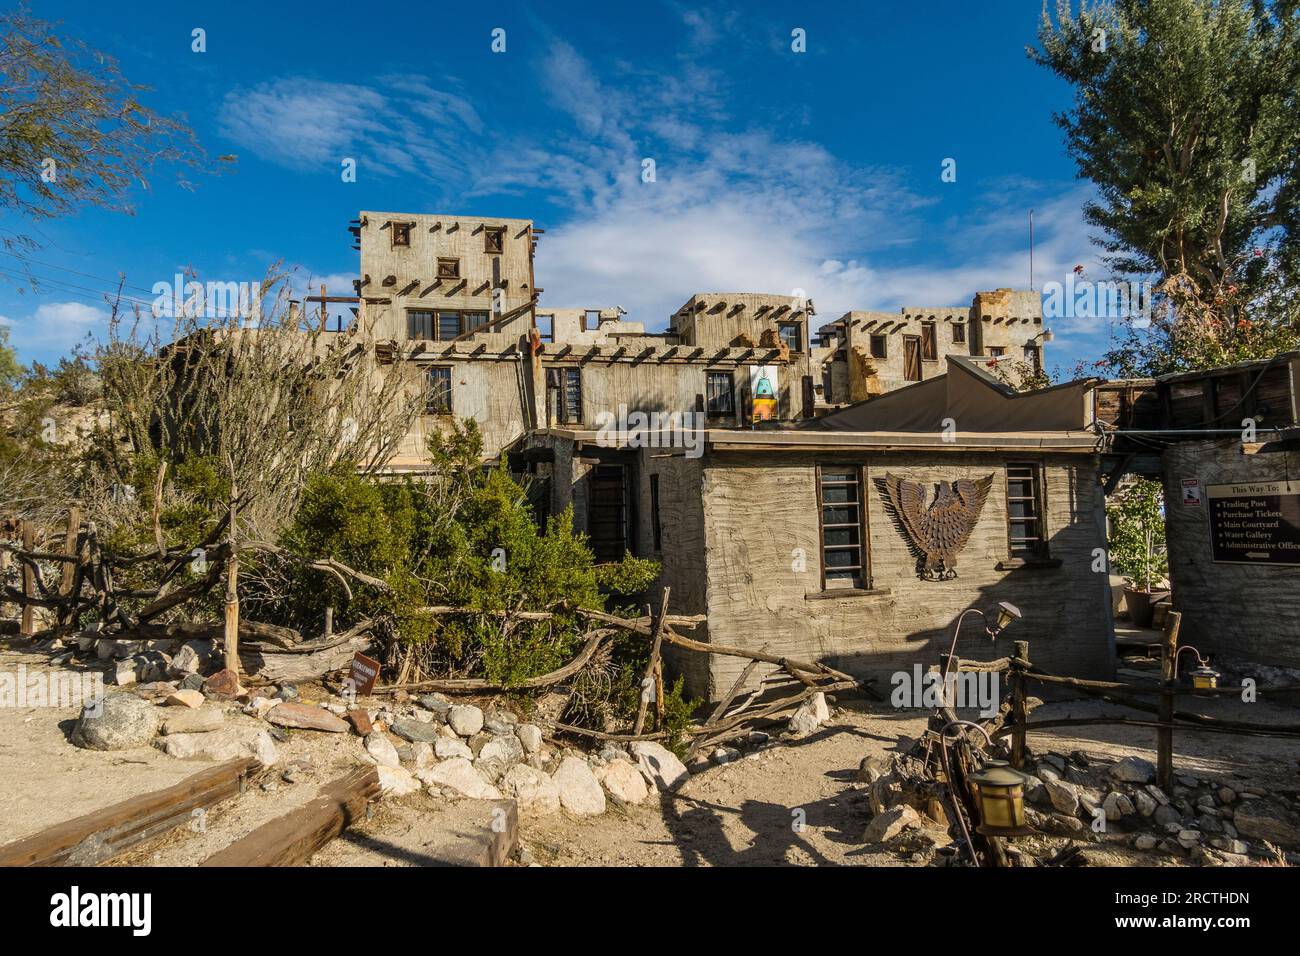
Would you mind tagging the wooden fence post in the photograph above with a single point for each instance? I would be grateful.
(1019, 707)
(1165, 733)
(70, 547)
(653, 667)
(28, 626)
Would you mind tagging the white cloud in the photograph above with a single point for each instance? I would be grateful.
(54, 328)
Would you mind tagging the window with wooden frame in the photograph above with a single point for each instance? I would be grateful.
(1026, 535)
(419, 324)
(448, 268)
(1034, 357)
(474, 320)
(439, 402)
(655, 527)
(546, 327)
(720, 394)
(401, 234)
(564, 394)
(449, 326)
(791, 335)
(959, 333)
(494, 240)
(996, 351)
(880, 346)
(929, 342)
(845, 551)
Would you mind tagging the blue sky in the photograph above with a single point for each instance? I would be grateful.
(775, 170)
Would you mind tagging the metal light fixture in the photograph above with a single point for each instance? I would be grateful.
(1005, 614)
(1000, 790)
(1205, 678)
(1048, 335)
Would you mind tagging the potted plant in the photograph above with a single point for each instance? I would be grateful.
(1137, 546)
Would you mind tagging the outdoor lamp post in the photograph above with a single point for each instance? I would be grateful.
(996, 619)
(1001, 793)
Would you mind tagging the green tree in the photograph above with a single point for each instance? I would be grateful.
(10, 370)
(1137, 533)
(1184, 119)
(73, 130)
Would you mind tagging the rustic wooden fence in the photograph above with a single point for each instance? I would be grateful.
(1013, 718)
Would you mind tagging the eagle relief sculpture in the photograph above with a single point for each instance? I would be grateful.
(938, 532)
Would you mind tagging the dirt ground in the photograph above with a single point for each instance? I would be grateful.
(791, 803)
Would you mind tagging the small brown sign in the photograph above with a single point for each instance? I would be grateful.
(364, 673)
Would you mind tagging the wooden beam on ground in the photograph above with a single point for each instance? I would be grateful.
(290, 840)
(1165, 735)
(101, 835)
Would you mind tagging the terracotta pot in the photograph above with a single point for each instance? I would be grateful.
(1141, 605)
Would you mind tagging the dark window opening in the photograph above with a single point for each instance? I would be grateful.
(564, 394)
(419, 324)
(494, 240)
(843, 541)
(448, 268)
(607, 516)
(401, 233)
(720, 392)
(880, 346)
(959, 332)
(996, 351)
(448, 326)
(654, 513)
(439, 402)
(929, 342)
(1025, 534)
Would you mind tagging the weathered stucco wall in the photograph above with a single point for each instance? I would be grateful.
(1245, 611)
(757, 512)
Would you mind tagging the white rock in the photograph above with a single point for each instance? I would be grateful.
(580, 791)
(535, 792)
(723, 755)
(465, 719)
(381, 748)
(422, 755)
(1117, 806)
(261, 747)
(215, 745)
(810, 715)
(508, 750)
(885, 826)
(659, 765)
(259, 707)
(458, 774)
(530, 735)
(623, 781)
(1064, 796)
(1134, 770)
(448, 747)
(396, 781)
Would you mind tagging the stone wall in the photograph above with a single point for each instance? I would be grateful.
(758, 513)
(1250, 612)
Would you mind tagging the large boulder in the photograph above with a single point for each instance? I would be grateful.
(886, 826)
(623, 781)
(117, 722)
(580, 791)
(465, 719)
(533, 790)
(458, 774)
(1133, 770)
(530, 735)
(809, 715)
(447, 747)
(1260, 820)
(306, 717)
(193, 721)
(659, 765)
(396, 781)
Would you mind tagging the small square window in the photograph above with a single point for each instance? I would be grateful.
(721, 394)
(401, 234)
(494, 240)
(959, 332)
(448, 268)
(880, 346)
(996, 351)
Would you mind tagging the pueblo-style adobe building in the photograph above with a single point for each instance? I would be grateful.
(764, 484)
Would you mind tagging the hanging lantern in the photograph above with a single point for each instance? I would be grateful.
(1205, 678)
(1006, 613)
(1000, 790)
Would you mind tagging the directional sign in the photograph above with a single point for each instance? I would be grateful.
(1255, 522)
